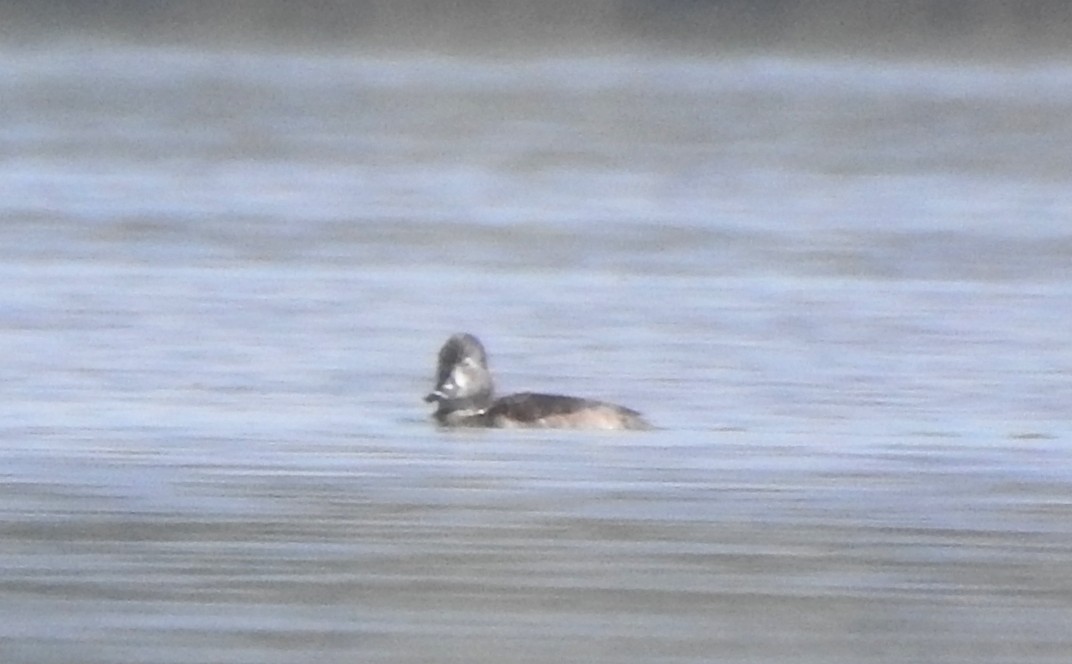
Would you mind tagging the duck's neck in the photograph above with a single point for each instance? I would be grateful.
(467, 406)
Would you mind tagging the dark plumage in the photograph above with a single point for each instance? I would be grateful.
(465, 396)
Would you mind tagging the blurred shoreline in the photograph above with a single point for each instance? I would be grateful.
(980, 28)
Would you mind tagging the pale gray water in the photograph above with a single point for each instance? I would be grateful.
(842, 289)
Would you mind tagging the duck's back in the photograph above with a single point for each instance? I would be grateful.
(528, 409)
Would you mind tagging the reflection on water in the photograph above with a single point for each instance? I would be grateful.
(839, 290)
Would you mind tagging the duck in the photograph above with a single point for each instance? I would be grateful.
(464, 395)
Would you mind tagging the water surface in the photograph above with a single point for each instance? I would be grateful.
(840, 288)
